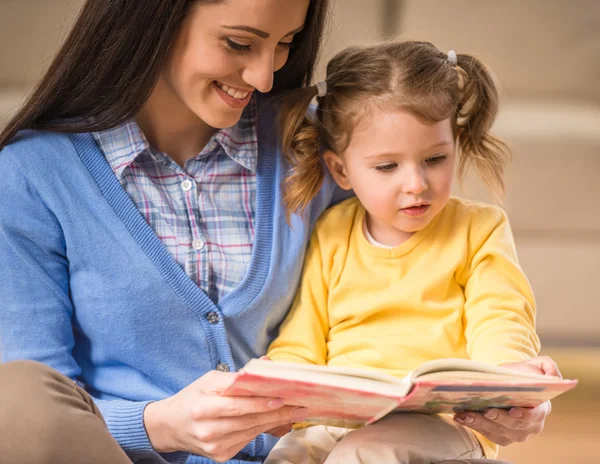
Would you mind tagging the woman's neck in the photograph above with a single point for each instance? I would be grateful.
(171, 127)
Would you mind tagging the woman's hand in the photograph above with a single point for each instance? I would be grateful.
(200, 421)
(517, 424)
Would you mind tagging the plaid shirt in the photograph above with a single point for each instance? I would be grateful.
(204, 212)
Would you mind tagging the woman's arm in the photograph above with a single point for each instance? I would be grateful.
(36, 322)
(200, 421)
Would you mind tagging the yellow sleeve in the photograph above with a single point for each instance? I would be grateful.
(303, 334)
(499, 311)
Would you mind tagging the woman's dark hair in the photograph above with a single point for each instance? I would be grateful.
(111, 60)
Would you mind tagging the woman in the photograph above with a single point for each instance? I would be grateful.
(144, 250)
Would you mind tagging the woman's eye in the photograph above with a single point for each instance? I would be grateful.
(237, 47)
(285, 46)
(436, 159)
(242, 48)
(386, 167)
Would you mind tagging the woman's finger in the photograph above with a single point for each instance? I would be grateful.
(280, 431)
(245, 436)
(214, 406)
(225, 446)
(283, 416)
(213, 430)
(214, 382)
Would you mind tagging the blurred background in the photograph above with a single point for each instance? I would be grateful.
(546, 56)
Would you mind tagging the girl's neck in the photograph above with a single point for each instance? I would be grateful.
(171, 127)
(385, 236)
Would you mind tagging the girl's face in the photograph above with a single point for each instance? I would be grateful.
(401, 170)
(226, 51)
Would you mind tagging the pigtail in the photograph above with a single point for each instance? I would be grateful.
(300, 142)
(477, 111)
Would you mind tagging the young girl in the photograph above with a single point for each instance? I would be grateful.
(403, 273)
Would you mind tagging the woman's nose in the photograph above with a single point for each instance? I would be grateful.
(259, 73)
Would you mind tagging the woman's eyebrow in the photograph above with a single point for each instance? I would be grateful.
(259, 33)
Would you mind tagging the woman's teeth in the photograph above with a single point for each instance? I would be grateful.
(232, 92)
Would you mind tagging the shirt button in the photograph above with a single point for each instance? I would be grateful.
(212, 317)
(222, 367)
(186, 185)
(198, 244)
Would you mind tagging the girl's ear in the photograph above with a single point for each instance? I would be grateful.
(337, 169)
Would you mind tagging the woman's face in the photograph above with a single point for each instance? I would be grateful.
(227, 50)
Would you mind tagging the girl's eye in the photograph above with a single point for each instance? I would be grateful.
(237, 47)
(436, 159)
(386, 167)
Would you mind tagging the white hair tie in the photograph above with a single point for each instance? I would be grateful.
(452, 58)
(321, 88)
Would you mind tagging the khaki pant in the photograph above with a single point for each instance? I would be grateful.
(397, 439)
(45, 418)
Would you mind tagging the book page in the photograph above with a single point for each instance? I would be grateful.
(352, 378)
(451, 368)
(473, 376)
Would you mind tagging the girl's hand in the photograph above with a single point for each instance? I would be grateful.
(517, 424)
(200, 421)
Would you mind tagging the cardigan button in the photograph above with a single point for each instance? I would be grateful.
(212, 317)
(222, 367)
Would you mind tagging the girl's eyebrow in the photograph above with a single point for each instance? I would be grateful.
(259, 33)
(390, 153)
(441, 144)
(381, 155)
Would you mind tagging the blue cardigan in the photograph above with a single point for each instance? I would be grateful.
(87, 288)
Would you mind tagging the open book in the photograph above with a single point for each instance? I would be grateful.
(351, 398)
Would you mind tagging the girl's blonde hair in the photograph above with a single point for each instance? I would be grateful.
(410, 76)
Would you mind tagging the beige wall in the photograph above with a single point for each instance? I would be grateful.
(30, 33)
(546, 54)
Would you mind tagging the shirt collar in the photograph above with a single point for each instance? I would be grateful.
(122, 144)
(240, 141)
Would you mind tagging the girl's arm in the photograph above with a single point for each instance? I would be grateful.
(500, 326)
(499, 310)
(303, 334)
(517, 424)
